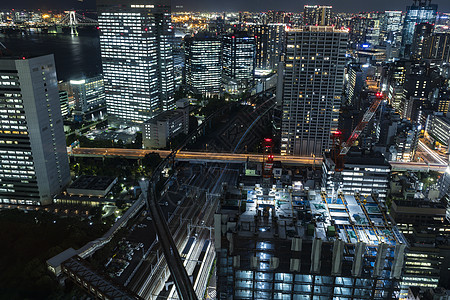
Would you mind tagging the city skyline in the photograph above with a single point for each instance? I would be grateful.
(160, 152)
(236, 5)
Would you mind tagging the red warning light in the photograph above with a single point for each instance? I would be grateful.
(145, 29)
(338, 132)
(98, 27)
(267, 140)
(23, 57)
(379, 95)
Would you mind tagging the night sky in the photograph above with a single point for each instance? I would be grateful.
(237, 5)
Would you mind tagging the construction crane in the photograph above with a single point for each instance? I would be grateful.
(344, 147)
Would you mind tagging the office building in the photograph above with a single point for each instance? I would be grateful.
(364, 172)
(425, 226)
(312, 88)
(157, 132)
(404, 144)
(439, 47)
(442, 102)
(239, 59)
(421, 40)
(373, 30)
(358, 29)
(391, 26)
(355, 79)
(420, 83)
(137, 58)
(317, 15)
(269, 41)
(64, 103)
(88, 93)
(203, 64)
(421, 293)
(279, 17)
(34, 165)
(395, 80)
(421, 11)
(306, 245)
(438, 130)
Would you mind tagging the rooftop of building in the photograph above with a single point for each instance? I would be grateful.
(272, 212)
(239, 34)
(89, 182)
(203, 35)
(165, 116)
(6, 54)
(318, 29)
(443, 118)
(355, 156)
(419, 203)
(358, 157)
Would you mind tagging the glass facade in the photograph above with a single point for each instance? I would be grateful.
(203, 67)
(269, 41)
(88, 93)
(137, 59)
(239, 58)
(422, 11)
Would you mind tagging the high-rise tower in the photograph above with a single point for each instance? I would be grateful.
(239, 58)
(312, 88)
(137, 58)
(203, 67)
(33, 156)
(422, 11)
(421, 40)
(317, 15)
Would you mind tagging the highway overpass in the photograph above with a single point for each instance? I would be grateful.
(192, 156)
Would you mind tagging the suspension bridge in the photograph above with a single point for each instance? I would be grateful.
(71, 19)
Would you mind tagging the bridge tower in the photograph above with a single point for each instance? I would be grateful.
(73, 23)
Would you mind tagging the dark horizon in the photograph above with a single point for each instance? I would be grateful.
(238, 5)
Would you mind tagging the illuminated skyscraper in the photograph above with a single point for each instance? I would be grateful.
(269, 41)
(391, 26)
(317, 15)
(439, 47)
(239, 58)
(421, 40)
(137, 58)
(88, 93)
(422, 11)
(203, 67)
(33, 156)
(312, 88)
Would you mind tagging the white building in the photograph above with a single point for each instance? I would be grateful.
(157, 131)
(88, 93)
(312, 89)
(366, 173)
(33, 157)
(137, 58)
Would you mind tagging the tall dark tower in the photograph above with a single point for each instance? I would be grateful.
(421, 40)
(422, 11)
